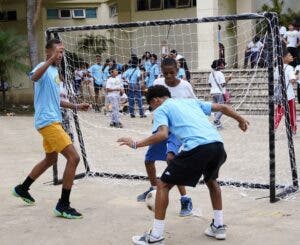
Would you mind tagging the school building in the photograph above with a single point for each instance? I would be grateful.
(62, 13)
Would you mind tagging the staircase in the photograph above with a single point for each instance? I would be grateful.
(248, 89)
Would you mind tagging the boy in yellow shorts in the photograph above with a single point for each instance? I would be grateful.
(48, 123)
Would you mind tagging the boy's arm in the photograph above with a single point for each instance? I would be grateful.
(228, 111)
(82, 106)
(41, 70)
(161, 135)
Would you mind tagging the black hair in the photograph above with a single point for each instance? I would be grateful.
(285, 52)
(154, 56)
(173, 51)
(216, 64)
(134, 61)
(157, 91)
(50, 44)
(168, 62)
(114, 67)
(256, 39)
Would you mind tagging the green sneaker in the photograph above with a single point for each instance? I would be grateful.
(65, 211)
(18, 191)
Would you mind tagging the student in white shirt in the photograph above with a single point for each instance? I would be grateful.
(252, 52)
(290, 79)
(292, 41)
(217, 82)
(114, 89)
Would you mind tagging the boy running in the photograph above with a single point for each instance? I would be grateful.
(203, 154)
(48, 123)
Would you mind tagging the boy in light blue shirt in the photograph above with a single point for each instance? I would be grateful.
(153, 70)
(203, 154)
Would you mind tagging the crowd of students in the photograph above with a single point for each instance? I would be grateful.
(115, 87)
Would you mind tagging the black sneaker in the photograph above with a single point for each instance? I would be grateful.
(132, 115)
(19, 191)
(142, 116)
(65, 211)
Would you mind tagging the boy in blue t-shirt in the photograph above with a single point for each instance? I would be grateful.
(48, 121)
(203, 154)
(153, 70)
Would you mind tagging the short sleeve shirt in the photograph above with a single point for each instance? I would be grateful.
(46, 97)
(188, 120)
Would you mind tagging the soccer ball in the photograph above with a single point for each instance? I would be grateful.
(150, 200)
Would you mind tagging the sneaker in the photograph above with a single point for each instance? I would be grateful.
(147, 238)
(186, 207)
(142, 197)
(142, 116)
(66, 211)
(132, 115)
(218, 125)
(216, 232)
(18, 191)
(119, 125)
(112, 124)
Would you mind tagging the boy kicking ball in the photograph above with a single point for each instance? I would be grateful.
(203, 154)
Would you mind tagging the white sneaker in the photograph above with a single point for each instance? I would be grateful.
(147, 238)
(216, 232)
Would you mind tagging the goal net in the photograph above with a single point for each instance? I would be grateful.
(248, 45)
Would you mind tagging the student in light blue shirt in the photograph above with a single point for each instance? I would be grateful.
(153, 71)
(97, 74)
(48, 121)
(203, 154)
(132, 76)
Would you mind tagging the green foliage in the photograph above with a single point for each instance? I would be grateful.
(13, 51)
(277, 6)
(95, 44)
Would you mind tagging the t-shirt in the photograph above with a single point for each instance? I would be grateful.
(292, 38)
(180, 73)
(96, 72)
(147, 65)
(132, 75)
(78, 74)
(46, 97)
(282, 30)
(255, 47)
(216, 77)
(153, 74)
(114, 83)
(182, 90)
(188, 120)
(106, 74)
(289, 74)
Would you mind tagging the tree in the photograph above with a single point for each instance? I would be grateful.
(96, 44)
(277, 6)
(13, 51)
(33, 12)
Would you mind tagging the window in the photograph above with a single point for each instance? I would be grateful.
(8, 15)
(64, 14)
(183, 3)
(91, 13)
(78, 13)
(52, 14)
(142, 5)
(155, 4)
(113, 11)
(168, 4)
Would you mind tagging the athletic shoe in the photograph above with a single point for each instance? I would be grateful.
(147, 238)
(19, 191)
(66, 211)
(112, 124)
(142, 116)
(132, 115)
(142, 197)
(119, 125)
(218, 125)
(186, 207)
(216, 232)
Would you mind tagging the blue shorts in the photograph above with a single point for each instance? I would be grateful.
(158, 152)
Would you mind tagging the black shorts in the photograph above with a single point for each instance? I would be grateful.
(97, 87)
(188, 166)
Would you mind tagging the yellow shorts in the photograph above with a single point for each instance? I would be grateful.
(55, 139)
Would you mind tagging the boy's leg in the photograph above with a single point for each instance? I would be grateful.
(138, 96)
(161, 204)
(279, 111)
(63, 208)
(151, 172)
(40, 168)
(293, 116)
(131, 99)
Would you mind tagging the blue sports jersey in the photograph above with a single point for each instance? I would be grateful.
(132, 75)
(153, 74)
(46, 97)
(188, 120)
(96, 72)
